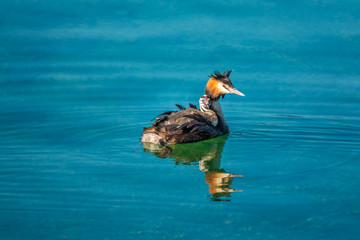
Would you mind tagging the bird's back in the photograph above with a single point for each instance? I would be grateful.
(184, 126)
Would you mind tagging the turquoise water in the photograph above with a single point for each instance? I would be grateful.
(80, 79)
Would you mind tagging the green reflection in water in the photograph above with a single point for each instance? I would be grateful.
(207, 155)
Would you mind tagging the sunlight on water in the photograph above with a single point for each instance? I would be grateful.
(80, 79)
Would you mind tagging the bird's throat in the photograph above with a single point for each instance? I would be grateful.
(216, 107)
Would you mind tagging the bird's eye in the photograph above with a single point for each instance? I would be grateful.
(225, 87)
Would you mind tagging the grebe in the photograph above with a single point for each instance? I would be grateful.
(192, 124)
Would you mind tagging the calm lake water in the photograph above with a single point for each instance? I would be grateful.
(80, 79)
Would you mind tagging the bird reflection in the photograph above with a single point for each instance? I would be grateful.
(208, 156)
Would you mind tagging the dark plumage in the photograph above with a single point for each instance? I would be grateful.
(192, 124)
(180, 106)
(192, 106)
(217, 75)
(187, 125)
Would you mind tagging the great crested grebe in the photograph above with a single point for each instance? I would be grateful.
(192, 124)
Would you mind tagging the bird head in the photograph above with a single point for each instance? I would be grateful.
(204, 103)
(219, 84)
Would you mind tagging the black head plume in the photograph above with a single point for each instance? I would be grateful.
(217, 75)
(222, 77)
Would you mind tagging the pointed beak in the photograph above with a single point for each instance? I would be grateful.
(235, 91)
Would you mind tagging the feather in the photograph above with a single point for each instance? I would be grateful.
(180, 106)
(217, 75)
(198, 117)
(192, 106)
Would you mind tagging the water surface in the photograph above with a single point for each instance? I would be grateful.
(79, 80)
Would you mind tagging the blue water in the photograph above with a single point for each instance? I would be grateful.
(80, 79)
